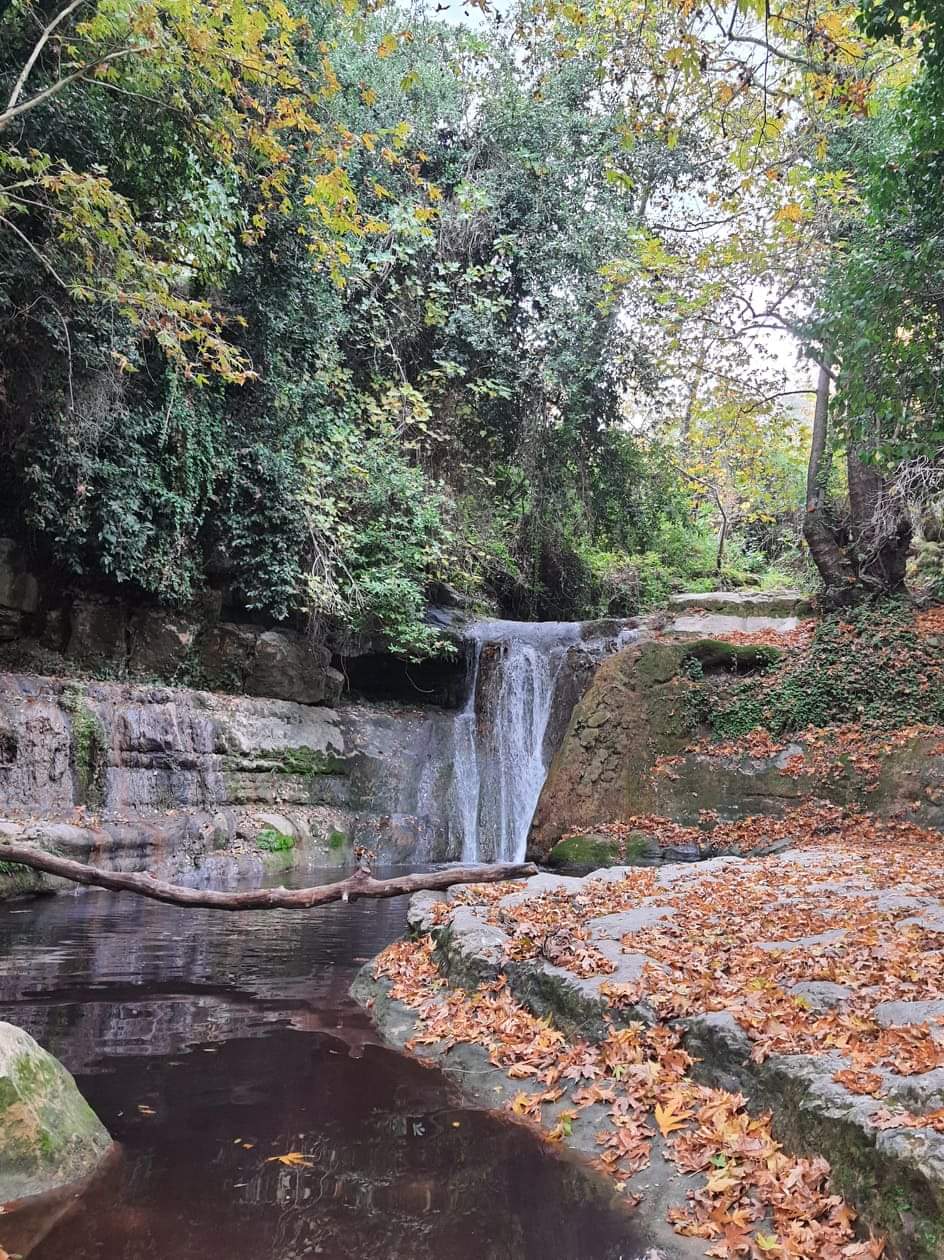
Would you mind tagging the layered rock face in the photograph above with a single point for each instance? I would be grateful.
(41, 622)
(49, 1135)
(161, 778)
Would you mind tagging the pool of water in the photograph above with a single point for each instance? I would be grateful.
(210, 1044)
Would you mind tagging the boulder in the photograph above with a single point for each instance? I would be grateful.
(49, 1135)
(634, 710)
(19, 589)
(225, 654)
(584, 853)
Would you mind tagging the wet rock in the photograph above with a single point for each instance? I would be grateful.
(177, 773)
(49, 1135)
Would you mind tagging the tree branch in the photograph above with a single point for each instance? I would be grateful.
(37, 49)
(12, 111)
(360, 884)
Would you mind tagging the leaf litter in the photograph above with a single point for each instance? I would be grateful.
(739, 939)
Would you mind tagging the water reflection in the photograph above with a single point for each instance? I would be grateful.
(211, 1044)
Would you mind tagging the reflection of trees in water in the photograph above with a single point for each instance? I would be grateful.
(407, 1197)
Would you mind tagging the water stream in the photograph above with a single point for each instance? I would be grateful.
(520, 673)
(210, 1044)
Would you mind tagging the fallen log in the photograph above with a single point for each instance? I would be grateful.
(360, 884)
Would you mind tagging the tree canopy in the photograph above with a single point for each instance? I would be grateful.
(323, 306)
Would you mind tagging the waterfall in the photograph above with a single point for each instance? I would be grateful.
(500, 749)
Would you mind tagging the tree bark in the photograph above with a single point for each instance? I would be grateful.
(832, 560)
(360, 884)
(881, 527)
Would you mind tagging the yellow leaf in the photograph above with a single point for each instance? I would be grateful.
(292, 1159)
(792, 212)
(669, 1119)
(387, 46)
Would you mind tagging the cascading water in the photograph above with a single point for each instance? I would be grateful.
(500, 752)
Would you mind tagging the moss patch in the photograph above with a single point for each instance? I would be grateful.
(303, 761)
(272, 841)
(868, 665)
(89, 750)
(585, 852)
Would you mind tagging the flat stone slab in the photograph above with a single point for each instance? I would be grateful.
(614, 927)
(746, 603)
(717, 625)
(816, 939)
(897, 1014)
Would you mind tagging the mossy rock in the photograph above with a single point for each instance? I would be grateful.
(588, 852)
(49, 1135)
(304, 760)
(736, 658)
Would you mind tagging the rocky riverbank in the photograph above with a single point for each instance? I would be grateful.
(713, 1034)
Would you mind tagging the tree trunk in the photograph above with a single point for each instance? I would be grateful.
(881, 527)
(360, 884)
(831, 559)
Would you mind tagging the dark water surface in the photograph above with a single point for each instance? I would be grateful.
(209, 1043)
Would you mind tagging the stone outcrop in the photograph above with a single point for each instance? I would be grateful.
(161, 778)
(638, 709)
(49, 1135)
(19, 592)
(747, 603)
(713, 614)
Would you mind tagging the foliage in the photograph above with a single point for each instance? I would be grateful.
(218, 97)
(439, 400)
(447, 321)
(890, 350)
(872, 666)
